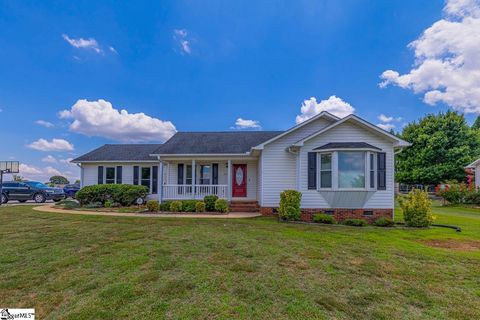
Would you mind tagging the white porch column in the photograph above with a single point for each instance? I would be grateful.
(160, 187)
(229, 180)
(194, 179)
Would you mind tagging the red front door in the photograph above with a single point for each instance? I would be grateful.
(239, 185)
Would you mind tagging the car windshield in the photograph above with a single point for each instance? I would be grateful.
(36, 184)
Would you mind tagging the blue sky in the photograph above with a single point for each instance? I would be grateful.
(201, 65)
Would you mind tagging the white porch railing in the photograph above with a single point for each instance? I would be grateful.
(179, 191)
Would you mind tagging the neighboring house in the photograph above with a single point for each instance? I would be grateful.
(342, 166)
(475, 166)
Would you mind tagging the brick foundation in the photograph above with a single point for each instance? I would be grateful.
(338, 214)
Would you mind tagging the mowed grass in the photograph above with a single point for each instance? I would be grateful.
(86, 267)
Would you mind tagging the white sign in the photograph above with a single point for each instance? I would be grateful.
(17, 314)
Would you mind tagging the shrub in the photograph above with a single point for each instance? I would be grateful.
(453, 192)
(200, 206)
(68, 204)
(472, 196)
(122, 193)
(108, 204)
(416, 207)
(165, 206)
(324, 218)
(94, 205)
(289, 208)
(176, 206)
(189, 205)
(383, 222)
(210, 202)
(354, 222)
(153, 205)
(221, 205)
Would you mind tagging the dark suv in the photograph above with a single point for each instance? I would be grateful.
(30, 190)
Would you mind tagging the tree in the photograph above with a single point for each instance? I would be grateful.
(59, 180)
(77, 181)
(442, 145)
(476, 124)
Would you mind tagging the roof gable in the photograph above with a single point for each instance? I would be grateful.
(363, 123)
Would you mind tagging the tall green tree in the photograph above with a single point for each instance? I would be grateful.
(59, 180)
(442, 145)
(476, 124)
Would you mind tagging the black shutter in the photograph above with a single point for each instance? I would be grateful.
(214, 173)
(381, 171)
(312, 170)
(180, 174)
(100, 174)
(119, 174)
(135, 175)
(154, 179)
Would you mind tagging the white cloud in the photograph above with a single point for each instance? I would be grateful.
(384, 118)
(447, 60)
(386, 126)
(246, 124)
(49, 159)
(44, 123)
(99, 118)
(26, 169)
(81, 43)
(112, 49)
(333, 105)
(181, 37)
(54, 145)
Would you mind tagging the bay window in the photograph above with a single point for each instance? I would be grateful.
(325, 170)
(351, 169)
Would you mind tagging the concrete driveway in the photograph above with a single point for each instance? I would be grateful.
(28, 203)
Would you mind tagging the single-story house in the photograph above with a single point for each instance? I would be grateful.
(475, 166)
(343, 167)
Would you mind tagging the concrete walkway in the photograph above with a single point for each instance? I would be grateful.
(232, 215)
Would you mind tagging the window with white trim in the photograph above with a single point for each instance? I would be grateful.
(372, 169)
(325, 170)
(110, 175)
(146, 175)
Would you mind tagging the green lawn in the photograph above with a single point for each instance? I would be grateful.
(86, 267)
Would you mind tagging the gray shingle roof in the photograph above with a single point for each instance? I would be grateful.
(215, 142)
(347, 145)
(120, 152)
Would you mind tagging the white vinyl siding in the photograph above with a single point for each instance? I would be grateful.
(279, 167)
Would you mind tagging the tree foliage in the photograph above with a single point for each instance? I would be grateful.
(476, 124)
(59, 180)
(442, 145)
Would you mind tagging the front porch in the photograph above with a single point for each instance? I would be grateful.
(233, 179)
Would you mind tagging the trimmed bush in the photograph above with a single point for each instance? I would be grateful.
(210, 202)
(122, 193)
(165, 206)
(221, 205)
(200, 206)
(93, 205)
(354, 222)
(416, 207)
(289, 208)
(383, 222)
(324, 218)
(189, 205)
(176, 206)
(153, 206)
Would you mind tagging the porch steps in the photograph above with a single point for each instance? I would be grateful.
(244, 206)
